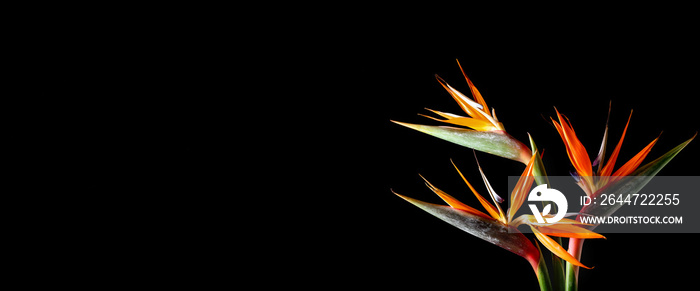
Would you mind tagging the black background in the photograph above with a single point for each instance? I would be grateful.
(178, 91)
(388, 74)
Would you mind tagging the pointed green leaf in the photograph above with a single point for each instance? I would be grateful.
(497, 143)
(653, 167)
(489, 230)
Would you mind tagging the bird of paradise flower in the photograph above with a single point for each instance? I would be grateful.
(594, 182)
(488, 134)
(500, 227)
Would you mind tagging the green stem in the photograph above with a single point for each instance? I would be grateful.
(540, 267)
(558, 272)
(540, 174)
(575, 248)
(558, 279)
(543, 275)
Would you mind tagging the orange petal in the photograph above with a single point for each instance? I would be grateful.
(576, 151)
(608, 168)
(568, 230)
(472, 108)
(563, 138)
(569, 149)
(557, 249)
(485, 203)
(521, 190)
(532, 221)
(476, 124)
(634, 162)
(571, 221)
(475, 92)
(454, 203)
(573, 234)
(469, 106)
